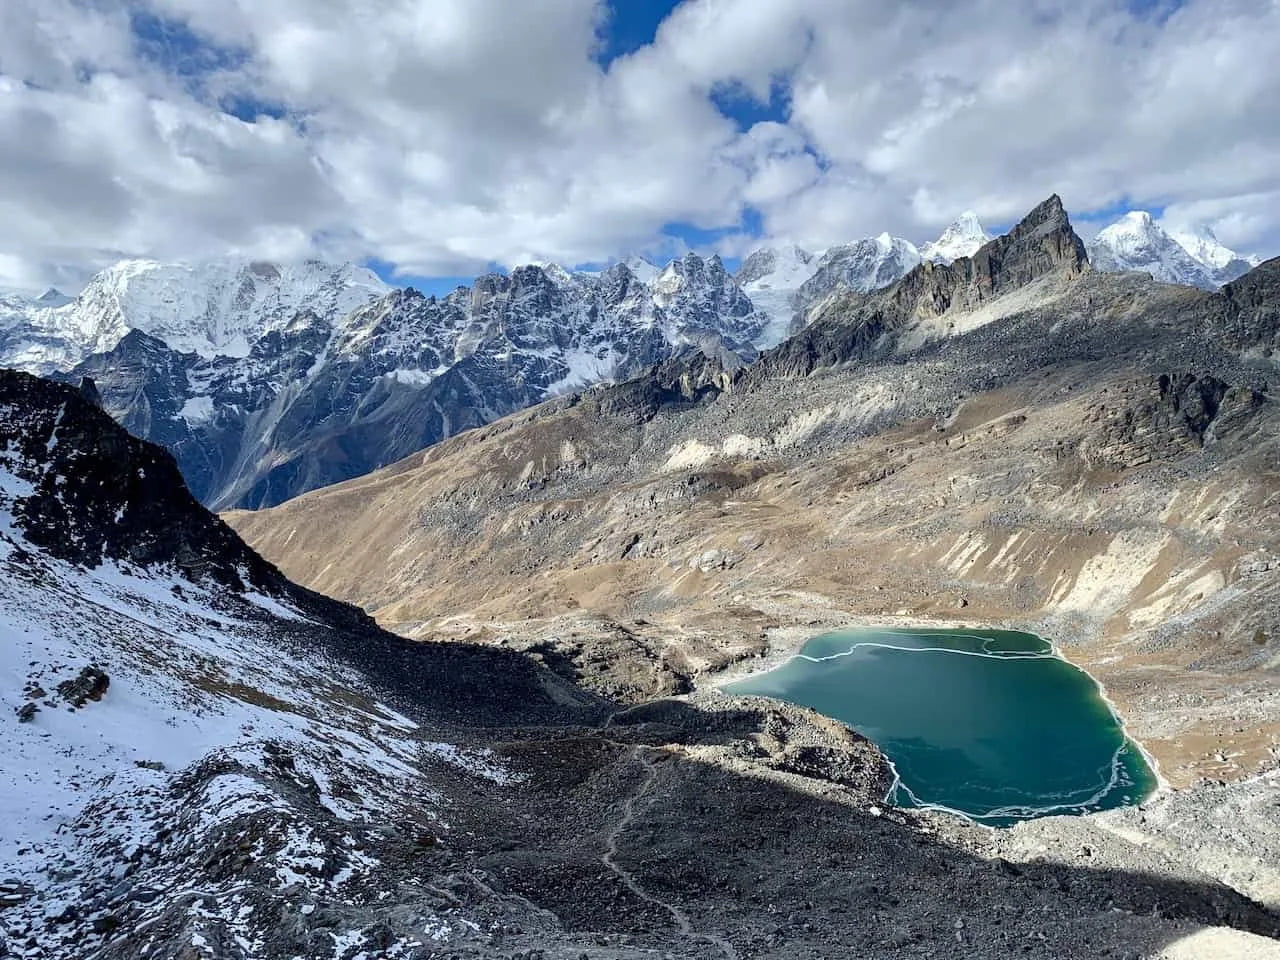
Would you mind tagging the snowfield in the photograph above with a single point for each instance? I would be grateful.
(219, 735)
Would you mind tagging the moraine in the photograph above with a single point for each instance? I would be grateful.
(990, 724)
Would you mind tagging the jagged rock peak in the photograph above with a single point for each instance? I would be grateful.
(1043, 241)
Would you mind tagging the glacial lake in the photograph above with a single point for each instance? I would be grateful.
(990, 724)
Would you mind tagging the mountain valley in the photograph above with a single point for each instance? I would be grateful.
(243, 768)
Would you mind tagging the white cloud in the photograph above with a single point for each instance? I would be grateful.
(442, 136)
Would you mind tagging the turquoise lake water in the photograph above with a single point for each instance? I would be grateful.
(986, 723)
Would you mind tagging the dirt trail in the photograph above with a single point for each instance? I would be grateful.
(609, 859)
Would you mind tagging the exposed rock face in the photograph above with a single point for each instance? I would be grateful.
(90, 683)
(1164, 417)
(1252, 310)
(99, 494)
(858, 267)
(321, 399)
(1089, 452)
(849, 327)
(264, 779)
(1043, 242)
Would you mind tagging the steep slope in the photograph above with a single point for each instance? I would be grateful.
(220, 308)
(1223, 262)
(320, 398)
(1137, 242)
(1192, 256)
(963, 238)
(772, 277)
(1087, 452)
(186, 726)
(217, 764)
(859, 267)
(936, 301)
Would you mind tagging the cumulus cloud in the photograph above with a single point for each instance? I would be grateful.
(442, 137)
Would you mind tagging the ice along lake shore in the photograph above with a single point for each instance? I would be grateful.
(991, 724)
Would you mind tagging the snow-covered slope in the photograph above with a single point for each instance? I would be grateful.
(641, 269)
(197, 752)
(1137, 242)
(771, 278)
(861, 267)
(1223, 262)
(321, 398)
(963, 238)
(217, 308)
(1191, 256)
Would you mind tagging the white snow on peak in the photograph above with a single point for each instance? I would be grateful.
(871, 263)
(641, 269)
(1138, 242)
(771, 277)
(963, 238)
(1200, 241)
(217, 308)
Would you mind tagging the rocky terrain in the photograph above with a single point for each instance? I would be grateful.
(284, 390)
(269, 380)
(216, 763)
(1012, 439)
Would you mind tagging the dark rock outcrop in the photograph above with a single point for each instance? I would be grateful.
(321, 400)
(1163, 417)
(1252, 309)
(855, 326)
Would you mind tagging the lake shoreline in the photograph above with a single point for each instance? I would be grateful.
(785, 643)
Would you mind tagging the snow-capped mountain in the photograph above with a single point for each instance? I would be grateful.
(772, 277)
(641, 269)
(963, 238)
(184, 726)
(1137, 242)
(322, 396)
(861, 267)
(219, 308)
(786, 283)
(1204, 246)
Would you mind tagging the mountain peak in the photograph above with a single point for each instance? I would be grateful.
(1138, 242)
(962, 238)
(53, 297)
(1199, 240)
(640, 268)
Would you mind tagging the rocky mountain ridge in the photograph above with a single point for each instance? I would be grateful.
(322, 398)
(211, 762)
(267, 381)
(1122, 378)
(216, 308)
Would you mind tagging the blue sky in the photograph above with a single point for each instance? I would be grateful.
(438, 140)
(633, 24)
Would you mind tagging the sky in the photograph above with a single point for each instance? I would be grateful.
(438, 139)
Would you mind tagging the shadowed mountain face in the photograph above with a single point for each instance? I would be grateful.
(1012, 439)
(323, 397)
(212, 761)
